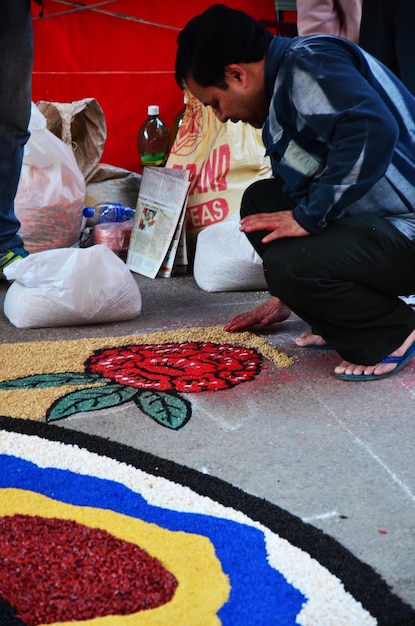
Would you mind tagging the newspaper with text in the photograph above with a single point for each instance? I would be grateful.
(158, 229)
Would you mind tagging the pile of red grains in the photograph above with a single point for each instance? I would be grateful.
(55, 570)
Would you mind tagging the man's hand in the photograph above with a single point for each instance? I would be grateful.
(265, 314)
(280, 224)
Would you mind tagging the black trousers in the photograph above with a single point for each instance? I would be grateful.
(345, 281)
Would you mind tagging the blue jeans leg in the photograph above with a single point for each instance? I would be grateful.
(16, 54)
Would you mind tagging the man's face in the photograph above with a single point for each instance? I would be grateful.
(241, 101)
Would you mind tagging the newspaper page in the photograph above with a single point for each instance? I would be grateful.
(158, 220)
(176, 258)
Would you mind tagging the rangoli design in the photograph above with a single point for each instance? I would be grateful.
(153, 376)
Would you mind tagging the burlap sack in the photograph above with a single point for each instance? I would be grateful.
(81, 125)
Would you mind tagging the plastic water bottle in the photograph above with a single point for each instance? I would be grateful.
(108, 212)
(153, 140)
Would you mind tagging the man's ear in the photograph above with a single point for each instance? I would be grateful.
(235, 73)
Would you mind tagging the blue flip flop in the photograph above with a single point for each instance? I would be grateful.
(400, 360)
(317, 346)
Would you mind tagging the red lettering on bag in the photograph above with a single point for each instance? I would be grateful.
(208, 173)
(207, 213)
(190, 167)
(224, 166)
(213, 173)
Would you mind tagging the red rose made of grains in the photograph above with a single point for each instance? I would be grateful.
(185, 367)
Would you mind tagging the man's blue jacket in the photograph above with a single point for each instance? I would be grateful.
(340, 132)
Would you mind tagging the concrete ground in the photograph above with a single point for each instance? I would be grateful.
(338, 455)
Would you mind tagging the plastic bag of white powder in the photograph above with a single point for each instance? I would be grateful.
(70, 286)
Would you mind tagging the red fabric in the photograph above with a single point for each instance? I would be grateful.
(105, 49)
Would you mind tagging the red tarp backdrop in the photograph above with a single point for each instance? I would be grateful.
(120, 52)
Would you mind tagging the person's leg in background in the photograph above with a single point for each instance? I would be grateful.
(332, 17)
(387, 32)
(404, 17)
(16, 54)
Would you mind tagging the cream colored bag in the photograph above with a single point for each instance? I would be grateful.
(223, 160)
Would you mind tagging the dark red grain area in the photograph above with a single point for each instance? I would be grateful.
(54, 570)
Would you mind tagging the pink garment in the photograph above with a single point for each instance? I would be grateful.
(332, 17)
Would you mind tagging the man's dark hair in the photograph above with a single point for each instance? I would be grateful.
(216, 38)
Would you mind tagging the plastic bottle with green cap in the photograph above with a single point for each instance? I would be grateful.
(153, 140)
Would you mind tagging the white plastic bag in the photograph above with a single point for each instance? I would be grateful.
(226, 261)
(51, 192)
(70, 286)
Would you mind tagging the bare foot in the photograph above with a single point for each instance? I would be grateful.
(380, 368)
(309, 339)
(270, 312)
